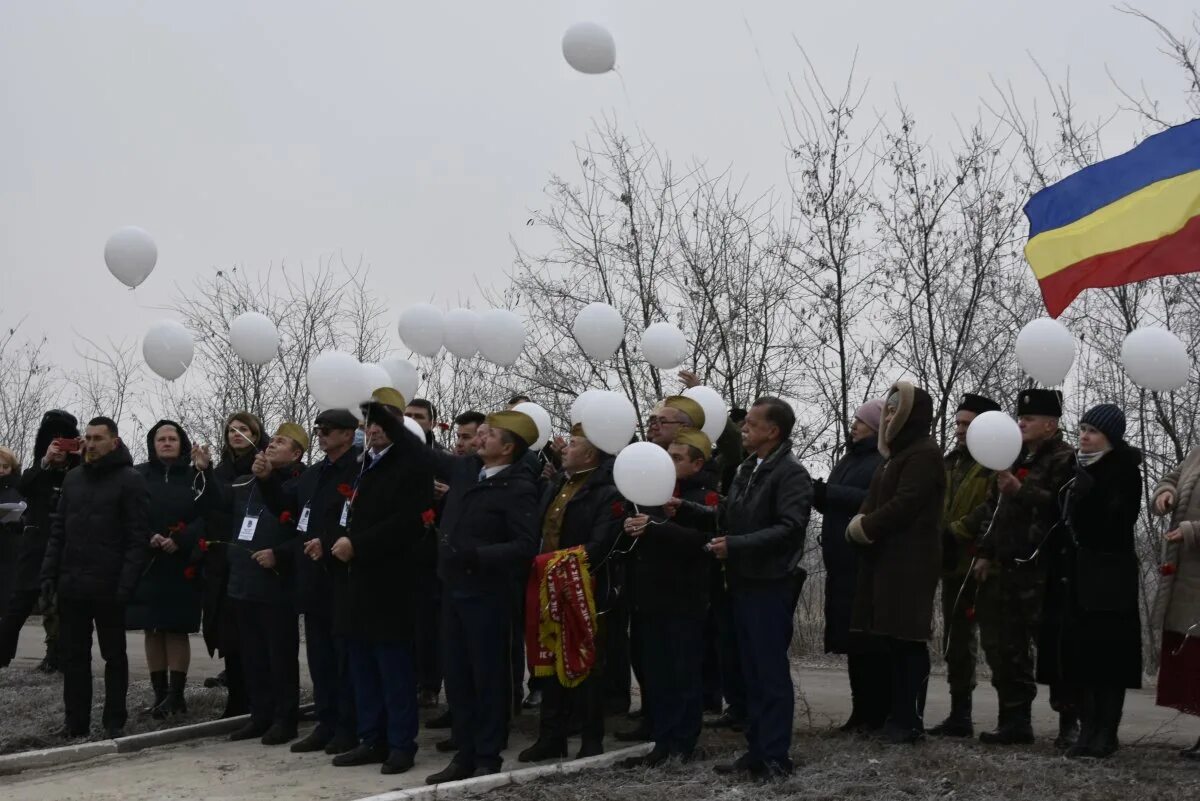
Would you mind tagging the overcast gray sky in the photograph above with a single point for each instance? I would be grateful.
(420, 134)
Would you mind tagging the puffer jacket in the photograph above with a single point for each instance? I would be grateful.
(41, 488)
(1177, 602)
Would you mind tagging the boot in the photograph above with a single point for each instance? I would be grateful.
(1110, 704)
(1088, 721)
(589, 747)
(958, 723)
(158, 683)
(544, 749)
(1015, 727)
(1191, 753)
(1068, 730)
(639, 734)
(49, 663)
(173, 703)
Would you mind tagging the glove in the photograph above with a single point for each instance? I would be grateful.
(46, 601)
(466, 559)
(819, 488)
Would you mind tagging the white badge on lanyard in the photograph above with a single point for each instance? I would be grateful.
(303, 524)
(345, 519)
(249, 524)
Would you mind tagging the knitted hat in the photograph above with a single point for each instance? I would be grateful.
(870, 413)
(977, 404)
(1108, 419)
(1045, 402)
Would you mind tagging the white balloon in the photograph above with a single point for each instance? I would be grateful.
(645, 474)
(714, 409)
(589, 48)
(541, 418)
(422, 328)
(581, 401)
(254, 338)
(1155, 359)
(414, 428)
(376, 376)
(130, 254)
(664, 346)
(337, 381)
(994, 440)
(500, 335)
(609, 420)
(405, 378)
(460, 333)
(1046, 350)
(168, 349)
(599, 330)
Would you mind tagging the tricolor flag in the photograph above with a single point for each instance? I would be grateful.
(1125, 219)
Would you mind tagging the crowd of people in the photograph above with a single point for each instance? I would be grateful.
(415, 567)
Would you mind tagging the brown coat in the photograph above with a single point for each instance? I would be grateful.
(899, 530)
(1177, 604)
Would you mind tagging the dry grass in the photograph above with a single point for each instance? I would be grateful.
(836, 767)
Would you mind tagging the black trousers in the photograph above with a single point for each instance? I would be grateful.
(19, 607)
(329, 667)
(618, 683)
(729, 658)
(763, 615)
(271, 660)
(76, 619)
(673, 647)
(476, 658)
(517, 646)
(428, 631)
(910, 681)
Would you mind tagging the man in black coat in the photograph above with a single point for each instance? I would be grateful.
(581, 507)
(315, 503)
(671, 571)
(40, 487)
(99, 536)
(488, 536)
(429, 594)
(765, 517)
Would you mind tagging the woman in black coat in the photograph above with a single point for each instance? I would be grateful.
(10, 533)
(1090, 641)
(166, 603)
(838, 500)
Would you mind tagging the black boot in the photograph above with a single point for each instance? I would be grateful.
(173, 703)
(958, 723)
(1110, 705)
(1015, 728)
(1068, 729)
(49, 663)
(1088, 721)
(1191, 753)
(544, 749)
(158, 683)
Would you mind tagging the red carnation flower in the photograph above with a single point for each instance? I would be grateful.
(1022, 473)
(175, 528)
(1167, 569)
(428, 516)
(286, 517)
(345, 490)
(444, 426)
(712, 499)
(618, 509)
(203, 545)
(189, 572)
(970, 613)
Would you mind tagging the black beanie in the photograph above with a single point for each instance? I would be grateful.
(1108, 419)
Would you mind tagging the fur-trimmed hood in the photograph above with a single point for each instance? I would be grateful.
(913, 418)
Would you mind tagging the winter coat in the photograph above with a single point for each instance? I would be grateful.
(841, 499)
(248, 580)
(967, 484)
(593, 518)
(764, 517)
(375, 592)
(41, 487)
(1091, 633)
(671, 571)
(321, 490)
(99, 533)
(1177, 602)
(169, 594)
(1023, 520)
(10, 538)
(899, 532)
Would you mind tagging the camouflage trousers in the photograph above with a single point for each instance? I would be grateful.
(959, 632)
(1008, 607)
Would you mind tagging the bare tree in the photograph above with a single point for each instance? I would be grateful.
(27, 388)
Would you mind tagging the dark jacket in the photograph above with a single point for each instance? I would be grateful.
(10, 537)
(593, 519)
(375, 592)
(901, 521)
(40, 487)
(321, 490)
(671, 571)
(248, 580)
(1091, 632)
(168, 596)
(99, 533)
(840, 500)
(765, 517)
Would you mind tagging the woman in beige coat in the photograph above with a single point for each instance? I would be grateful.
(1177, 605)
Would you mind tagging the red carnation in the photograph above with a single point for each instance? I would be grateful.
(1167, 569)
(970, 613)
(286, 517)
(189, 572)
(345, 490)
(203, 545)
(175, 528)
(618, 509)
(444, 426)
(428, 516)
(1022, 472)
(712, 499)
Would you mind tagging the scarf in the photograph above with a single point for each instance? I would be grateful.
(560, 617)
(1089, 459)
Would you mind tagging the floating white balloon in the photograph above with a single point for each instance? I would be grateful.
(337, 381)
(589, 48)
(130, 254)
(599, 330)
(609, 420)
(414, 428)
(994, 440)
(376, 376)
(460, 333)
(168, 348)
(1155, 359)
(1046, 350)
(664, 346)
(254, 338)
(581, 401)
(714, 409)
(422, 328)
(541, 419)
(645, 474)
(405, 378)
(500, 335)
